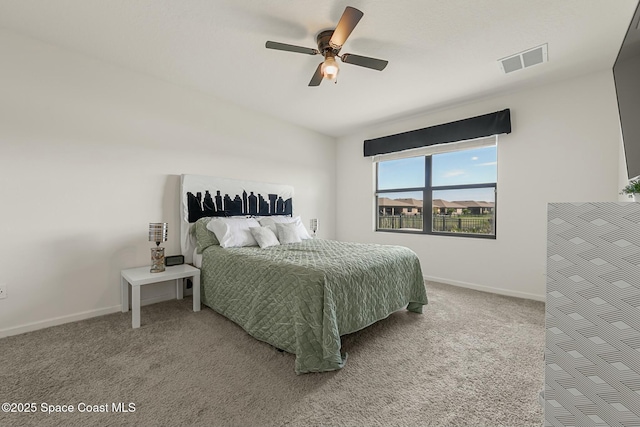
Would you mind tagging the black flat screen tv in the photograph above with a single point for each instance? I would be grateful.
(626, 73)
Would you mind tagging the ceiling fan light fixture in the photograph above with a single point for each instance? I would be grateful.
(330, 68)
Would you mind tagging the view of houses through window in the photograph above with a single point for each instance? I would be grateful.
(457, 189)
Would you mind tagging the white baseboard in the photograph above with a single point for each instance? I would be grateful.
(16, 330)
(490, 289)
(42, 324)
(159, 298)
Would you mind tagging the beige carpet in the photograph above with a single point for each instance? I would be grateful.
(472, 359)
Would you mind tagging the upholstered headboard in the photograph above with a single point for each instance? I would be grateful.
(202, 196)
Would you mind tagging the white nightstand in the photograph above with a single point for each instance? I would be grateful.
(137, 277)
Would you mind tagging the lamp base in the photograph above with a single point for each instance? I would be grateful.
(157, 260)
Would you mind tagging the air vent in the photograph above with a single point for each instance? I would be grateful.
(526, 59)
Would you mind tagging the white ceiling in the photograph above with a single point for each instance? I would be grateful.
(440, 52)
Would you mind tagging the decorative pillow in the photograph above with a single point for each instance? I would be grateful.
(233, 232)
(288, 233)
(264, 236)
(204, 236)
(271, 221)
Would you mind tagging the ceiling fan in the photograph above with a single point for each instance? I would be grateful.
(329, 44)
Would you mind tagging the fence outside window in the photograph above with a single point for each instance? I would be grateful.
(473, 224)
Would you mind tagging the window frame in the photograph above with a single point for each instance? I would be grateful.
(427, 202)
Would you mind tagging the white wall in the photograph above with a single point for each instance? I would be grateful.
(91, 153)
(564, 147)
(623, 175)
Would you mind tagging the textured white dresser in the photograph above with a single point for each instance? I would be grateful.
(592, 354)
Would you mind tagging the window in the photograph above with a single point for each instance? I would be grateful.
(444, 193)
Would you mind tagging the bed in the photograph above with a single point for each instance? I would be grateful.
(302, 297)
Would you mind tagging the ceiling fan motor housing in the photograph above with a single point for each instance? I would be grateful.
(324, 46)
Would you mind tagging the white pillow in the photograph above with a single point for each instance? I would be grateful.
(288, 233)
(233, 232)
(264, 236)
(271, 221)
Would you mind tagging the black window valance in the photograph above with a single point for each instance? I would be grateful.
(473, 127)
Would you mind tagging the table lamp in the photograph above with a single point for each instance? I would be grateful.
(158, 234)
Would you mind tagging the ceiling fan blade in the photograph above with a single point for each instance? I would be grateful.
(364, 61)
(317, 77)
(291, 48)
(348, 21)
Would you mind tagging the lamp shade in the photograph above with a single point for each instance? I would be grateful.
(158, 232)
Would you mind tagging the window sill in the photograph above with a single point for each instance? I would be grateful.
(471, 235)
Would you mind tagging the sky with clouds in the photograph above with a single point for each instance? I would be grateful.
(475, 166)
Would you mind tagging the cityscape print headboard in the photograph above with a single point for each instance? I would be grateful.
(203, 196)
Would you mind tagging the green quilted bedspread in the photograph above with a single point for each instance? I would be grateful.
(302, 297)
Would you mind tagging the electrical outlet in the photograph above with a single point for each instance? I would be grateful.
(3, 290)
